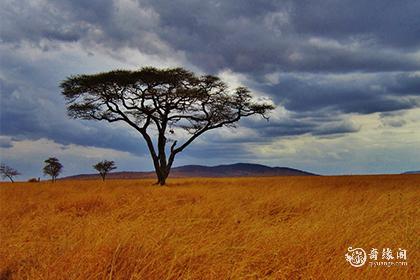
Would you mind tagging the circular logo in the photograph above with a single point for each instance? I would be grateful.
(356, 257)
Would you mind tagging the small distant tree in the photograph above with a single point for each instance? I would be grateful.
(52, 168)
(104, 167)
(8, 172)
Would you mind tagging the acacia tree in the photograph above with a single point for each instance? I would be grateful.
(159, 103)
(52, 168)
(8, 172)
(104, 167)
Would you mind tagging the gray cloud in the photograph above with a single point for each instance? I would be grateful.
(312, 126)
(383, 22)
(315, 36)
(25, 117)
(406, 84)
(6, 142)
(111, 24)
(331, 95)
(332, 58)
(393, 119)
(337, 128)
(393, 122)
(245, 36)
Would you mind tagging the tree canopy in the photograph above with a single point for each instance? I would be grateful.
(160, 102)
(52, 168)
(104, 167)
(8, 172)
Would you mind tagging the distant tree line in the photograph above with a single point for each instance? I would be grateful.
(53, 168)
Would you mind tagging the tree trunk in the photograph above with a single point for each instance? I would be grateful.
(162, 175)
(162, 166)
(162, 181)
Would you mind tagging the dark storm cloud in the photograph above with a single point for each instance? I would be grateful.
(394, 23)
(303, 41)
(288, 128)
(406, 85)
(330, 95)
(315, 36)
(294, 126)
(245, 36)
(336, 128)
(111, 24)
(25, 117)
(32, 21)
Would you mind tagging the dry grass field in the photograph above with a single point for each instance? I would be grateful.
(242, 228)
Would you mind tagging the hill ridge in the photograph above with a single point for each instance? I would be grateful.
(412, 172)
(224, 170)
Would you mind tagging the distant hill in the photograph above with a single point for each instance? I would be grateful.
(412, 172)
(228, 170)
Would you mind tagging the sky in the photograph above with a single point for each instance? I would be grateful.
(344, 75)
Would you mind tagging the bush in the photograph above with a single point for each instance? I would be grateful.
(33, 180)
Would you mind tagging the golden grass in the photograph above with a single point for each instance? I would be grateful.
(243, 228)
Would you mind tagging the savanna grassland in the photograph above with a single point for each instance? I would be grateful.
(242, 228)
